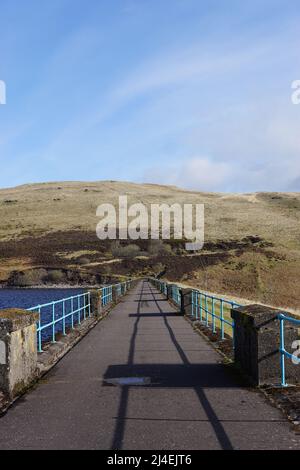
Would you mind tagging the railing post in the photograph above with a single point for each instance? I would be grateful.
(72, 310)
(53, 323)
(201, 307)
(213, 315)
(89, 304)
(222, 319)
(79, 311)
(40, 349)
(64, 318)
(196, 305)
(282, 355)
(84, 306)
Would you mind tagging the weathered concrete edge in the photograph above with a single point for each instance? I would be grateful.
(67, 343)
(193, 324)
(277, 404)
(80, 331)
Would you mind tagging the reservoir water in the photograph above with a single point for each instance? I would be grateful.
(27, 298)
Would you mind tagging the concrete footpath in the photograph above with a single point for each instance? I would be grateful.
(186, 399)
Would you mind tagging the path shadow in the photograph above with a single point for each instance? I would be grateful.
(182, 375)
(176, 375)
(151, 315)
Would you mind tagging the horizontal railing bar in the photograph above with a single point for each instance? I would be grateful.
(284, 317)
(220, 299)
(56, 302)
(57, 320)
(215, 316)
(290, 355)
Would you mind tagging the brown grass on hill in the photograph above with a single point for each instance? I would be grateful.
(252, 239)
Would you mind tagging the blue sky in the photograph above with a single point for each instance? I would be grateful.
(187, 92)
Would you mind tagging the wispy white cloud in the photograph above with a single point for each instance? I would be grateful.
(210, 109)
(160, 81)
(187, 65)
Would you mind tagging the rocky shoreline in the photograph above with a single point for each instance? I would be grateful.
(56, 278)
(51, 286)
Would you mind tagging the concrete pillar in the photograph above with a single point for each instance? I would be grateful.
(169, 292)
(96, 302)
(18, 351)
(116, 294)
(186, 302)
(257, 342)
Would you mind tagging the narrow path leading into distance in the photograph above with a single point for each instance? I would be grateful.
(187, 399)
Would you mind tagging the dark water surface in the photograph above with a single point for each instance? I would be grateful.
(27, 298)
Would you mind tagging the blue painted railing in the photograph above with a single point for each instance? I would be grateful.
(107, 295)
(210, 309)
(57, 316)
(283, 352)
(206, 308)
(163, 287)
(175, 291)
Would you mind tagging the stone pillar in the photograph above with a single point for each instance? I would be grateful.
(169, 292)
(18, 351)
(115, 294)
(186, 302)
(96, 302)
(124, 288)
(257, 342)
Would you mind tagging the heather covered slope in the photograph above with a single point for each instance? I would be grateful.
(252, 240)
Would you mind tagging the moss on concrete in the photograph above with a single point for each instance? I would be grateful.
(15, 319)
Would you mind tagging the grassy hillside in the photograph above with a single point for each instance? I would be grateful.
(252, 240)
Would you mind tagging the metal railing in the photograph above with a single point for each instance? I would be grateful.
(106, 295)
(212, 311)
(57, 316)
(162, 286)
(283, 352)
